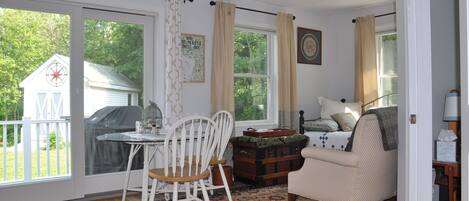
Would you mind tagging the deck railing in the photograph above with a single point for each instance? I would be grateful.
(35, 149)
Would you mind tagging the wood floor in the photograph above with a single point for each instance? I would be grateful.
(278, 193)
(116, 196)
(129, 198)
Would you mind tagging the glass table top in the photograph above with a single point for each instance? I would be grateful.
(133, 136)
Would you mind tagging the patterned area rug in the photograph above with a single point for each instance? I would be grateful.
(273, 193)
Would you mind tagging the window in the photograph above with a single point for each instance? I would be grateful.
(387, 64)
(114, 49)
(253, 75)
(34, 95)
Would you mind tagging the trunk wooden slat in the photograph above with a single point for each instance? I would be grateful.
(265, 165)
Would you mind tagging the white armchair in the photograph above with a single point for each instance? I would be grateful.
(368, 173)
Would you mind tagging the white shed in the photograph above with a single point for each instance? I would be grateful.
(47, 89)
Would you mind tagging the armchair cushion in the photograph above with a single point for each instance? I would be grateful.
(348, 159)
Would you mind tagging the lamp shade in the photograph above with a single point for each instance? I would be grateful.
(452, 112)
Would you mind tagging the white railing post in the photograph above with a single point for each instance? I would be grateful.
(5, 153)
(27, 148)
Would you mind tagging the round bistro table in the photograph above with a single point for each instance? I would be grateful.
(137, 141)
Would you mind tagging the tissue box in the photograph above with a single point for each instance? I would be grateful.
(446, 151)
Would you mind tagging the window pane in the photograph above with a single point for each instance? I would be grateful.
(34, 85)
(250, 53)
(389, 86)
(389, 51)
(250, 99)
(113, 89)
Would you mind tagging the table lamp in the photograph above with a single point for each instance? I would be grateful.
(452, 111)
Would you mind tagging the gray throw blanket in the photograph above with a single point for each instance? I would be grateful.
(387, 120)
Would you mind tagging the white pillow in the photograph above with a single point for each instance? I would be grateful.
(330, 107)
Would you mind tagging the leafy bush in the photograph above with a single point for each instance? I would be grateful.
(10, 136)
(53, 141)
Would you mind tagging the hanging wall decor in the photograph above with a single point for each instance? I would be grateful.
(193, 57)
(309, 46)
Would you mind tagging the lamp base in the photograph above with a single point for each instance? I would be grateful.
(455, 126)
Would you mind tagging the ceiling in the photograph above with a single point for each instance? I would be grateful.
(325, 5)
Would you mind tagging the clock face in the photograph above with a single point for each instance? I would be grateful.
(56, 74)
(309, 46)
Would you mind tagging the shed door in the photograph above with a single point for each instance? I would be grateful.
(49, 106)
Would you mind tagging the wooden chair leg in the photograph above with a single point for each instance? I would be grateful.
(153, 190)
(195, 189)
(204, 190)
(225, 182)
(175, 191)
(188, 190)
(292, 197)
(210, 181)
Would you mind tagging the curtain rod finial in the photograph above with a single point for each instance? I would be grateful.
(212, 3)
(354, 20)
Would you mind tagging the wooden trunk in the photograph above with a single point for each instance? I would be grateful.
(276, 132)
(265, 166)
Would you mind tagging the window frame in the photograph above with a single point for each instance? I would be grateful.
(76, 185)
(271, 76)
(379, 60)
(151, 78)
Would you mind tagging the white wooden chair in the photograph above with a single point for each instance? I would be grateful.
(224, 121)
(187, 152)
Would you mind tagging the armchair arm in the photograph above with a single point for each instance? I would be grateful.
(332, 156)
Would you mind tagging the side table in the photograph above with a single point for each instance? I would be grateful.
(451, 170)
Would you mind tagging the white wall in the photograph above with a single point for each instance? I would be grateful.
(445, 56)
(198, 18)
(333, 79)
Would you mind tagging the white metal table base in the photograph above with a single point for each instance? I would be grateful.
(134, 148)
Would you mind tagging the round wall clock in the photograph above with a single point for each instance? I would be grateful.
(309, 46)
(56, 74)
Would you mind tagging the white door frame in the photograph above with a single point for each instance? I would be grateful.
(68, 187)
(415, 89)
(464, 56)
(78, 185)
(114, 181)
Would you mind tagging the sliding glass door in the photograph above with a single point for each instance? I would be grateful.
(69, 74)
(117, 49)
(35, 113)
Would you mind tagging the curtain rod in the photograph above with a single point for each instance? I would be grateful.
(212, 3)
(382, 15)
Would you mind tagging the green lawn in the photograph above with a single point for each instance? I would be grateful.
(10, 176)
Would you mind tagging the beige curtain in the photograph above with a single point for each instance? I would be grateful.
(223, 53)
(288, 100)
(366, 78)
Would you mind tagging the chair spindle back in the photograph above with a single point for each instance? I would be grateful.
(224, 122)
(190, 142)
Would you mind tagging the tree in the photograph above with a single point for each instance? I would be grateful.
(116, 44)
(250, 93)
(27, 39)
